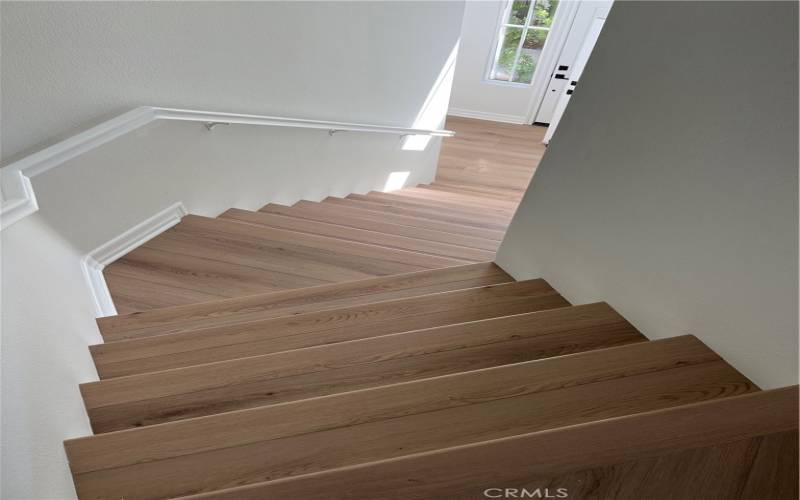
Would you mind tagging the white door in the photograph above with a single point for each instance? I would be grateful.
(575, 74)
(577, 25)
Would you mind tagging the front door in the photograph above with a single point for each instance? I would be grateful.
(575, 75)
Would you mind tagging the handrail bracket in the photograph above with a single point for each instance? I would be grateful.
(211, 125)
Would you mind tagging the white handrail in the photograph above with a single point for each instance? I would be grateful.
(279, 121)
(19, 200)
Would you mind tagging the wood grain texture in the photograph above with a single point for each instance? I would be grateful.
(742, 447)
(484, 191)
(447, 216)
(220, 258)
(327, 214)
(490, 154)
(360, 348)
(459, 219)
(263, 244)
(366, 219)
(283, 440)
(435, 194)
(469, 209)
(136, 401)
(359, 235)
(209, 345)
(211, 313)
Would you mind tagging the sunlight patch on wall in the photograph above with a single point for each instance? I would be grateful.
(395, 181)
(434, 110)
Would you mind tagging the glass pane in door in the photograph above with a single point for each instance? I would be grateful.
(543, 13)
(506, 54)
(529, 57)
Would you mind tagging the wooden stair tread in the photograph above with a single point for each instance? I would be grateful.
(147, 399)
(332, 215)
(315, 328)
(359, 235)
(484, 194)
(218, 277)
(231, 235)
(512, 195)
(398, 200)
(473, 188)
(311, 209)
(133, 295)
(283, 440)
(585, 447)
(441, 216)
(505, 207)
(404, 198)
(213, 313)
(228, 259)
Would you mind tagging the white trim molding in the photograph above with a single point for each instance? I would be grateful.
(19, 199)
(93, 263)
(483, 115)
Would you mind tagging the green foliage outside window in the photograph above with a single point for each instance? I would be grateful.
(543, 13)
(542, 17)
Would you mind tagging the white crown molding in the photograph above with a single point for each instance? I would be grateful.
(483, 115)
(95, 261)
(19, 200)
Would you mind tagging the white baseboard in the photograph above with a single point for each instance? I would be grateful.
(95, 261)
(483, 115)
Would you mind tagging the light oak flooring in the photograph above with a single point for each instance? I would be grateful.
(458, 219)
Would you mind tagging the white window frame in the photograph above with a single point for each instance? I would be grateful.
(499, 37)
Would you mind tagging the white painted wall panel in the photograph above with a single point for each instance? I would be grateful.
(670, 187)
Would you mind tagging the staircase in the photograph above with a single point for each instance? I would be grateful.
(367, 347)
(308, 244)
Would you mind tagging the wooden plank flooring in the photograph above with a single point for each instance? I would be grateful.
(209, 345)
(490, 154)
(463, 207)
(719, 447)
(359, 235)
(268, 442)
(362, 213)
(214, 258)
(135, 401)
(451, 217)
(342, 218)
(290, 302)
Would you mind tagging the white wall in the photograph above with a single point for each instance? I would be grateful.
(473, 95)
(670, 187)
(70, 65)
(47, 323)
(98, 195)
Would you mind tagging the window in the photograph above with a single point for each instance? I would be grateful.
(525, 26)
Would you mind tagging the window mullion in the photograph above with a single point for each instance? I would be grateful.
(522, 40)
